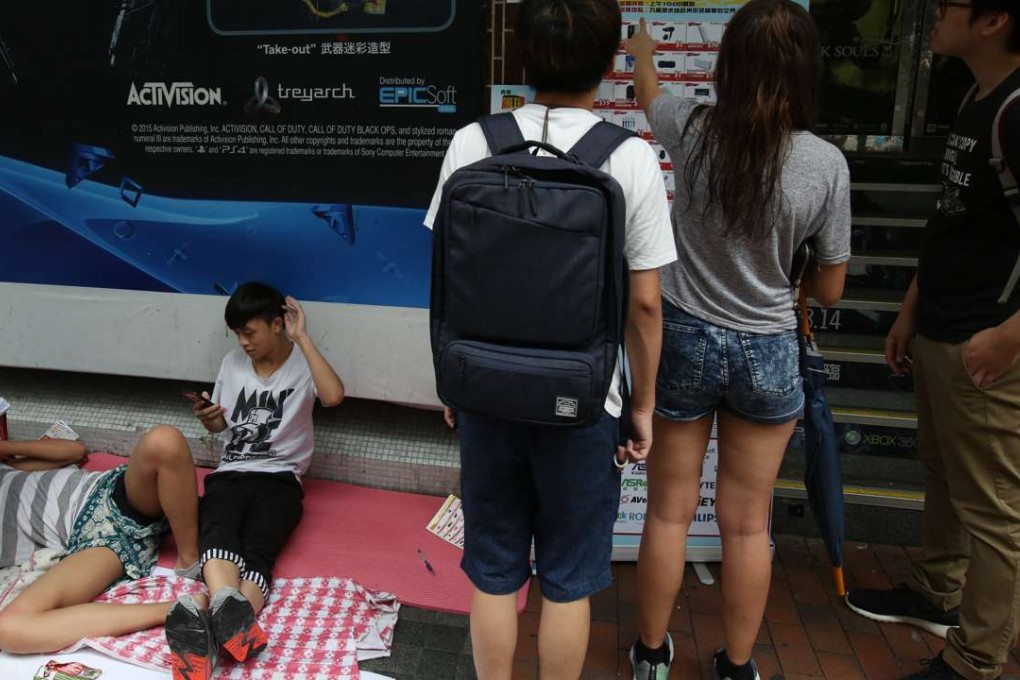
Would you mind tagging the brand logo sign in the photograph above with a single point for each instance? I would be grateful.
(442, 99)
(315, 92)
(566, 407)
(174, 94)
(261, 101)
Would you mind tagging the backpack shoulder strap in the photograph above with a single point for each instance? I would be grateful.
(598, 144)
(501, 131)
(968, 98)
(1007, 179)
(998, 161)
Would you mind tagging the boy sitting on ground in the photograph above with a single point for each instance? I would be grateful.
(264, 395)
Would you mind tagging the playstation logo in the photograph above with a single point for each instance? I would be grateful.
(261, 101)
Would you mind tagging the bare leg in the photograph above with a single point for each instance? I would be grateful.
(749, 458)
(674, 487)
(160, 480)
(563, 639)
(493, 634)
(219, 574)
(253, 594)
(57, 610)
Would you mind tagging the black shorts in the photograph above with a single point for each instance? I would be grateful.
(246, 518)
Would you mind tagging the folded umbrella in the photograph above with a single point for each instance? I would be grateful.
(823, 477)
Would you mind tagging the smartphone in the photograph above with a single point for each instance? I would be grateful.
(197, 398)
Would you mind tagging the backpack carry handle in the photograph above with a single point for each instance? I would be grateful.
(503, 135)
(528, 145)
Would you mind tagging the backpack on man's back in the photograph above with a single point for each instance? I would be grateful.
(529, 281)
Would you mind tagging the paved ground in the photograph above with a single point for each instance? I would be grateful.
(808, 632)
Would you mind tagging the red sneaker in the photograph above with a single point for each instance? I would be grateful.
(193, 650)
(235, 627)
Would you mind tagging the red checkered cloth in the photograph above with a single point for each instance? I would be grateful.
(317, 627)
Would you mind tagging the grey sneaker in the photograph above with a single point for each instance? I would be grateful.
(644, 670)
(235, 626)
(193, 651)
(721, 662)
(193, 572)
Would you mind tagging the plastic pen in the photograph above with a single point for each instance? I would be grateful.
(424, 559)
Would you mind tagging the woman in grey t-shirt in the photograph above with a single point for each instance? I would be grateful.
(752, 183)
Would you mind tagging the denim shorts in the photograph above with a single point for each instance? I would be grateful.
(555, 485)
(706, 367)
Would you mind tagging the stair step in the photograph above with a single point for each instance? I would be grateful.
(898, 188)
(886, 221)
(868, 299)
(887, 259)
(872, 416)
(858, 495)
(851, 355)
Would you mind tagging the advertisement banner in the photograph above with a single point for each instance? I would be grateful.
(634, 498)
(862, 47)
(190, 146)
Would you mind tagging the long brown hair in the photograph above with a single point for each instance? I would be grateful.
(767, 81)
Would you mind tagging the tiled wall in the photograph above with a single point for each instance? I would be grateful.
(362, 442)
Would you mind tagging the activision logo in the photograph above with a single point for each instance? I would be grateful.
(174, 94)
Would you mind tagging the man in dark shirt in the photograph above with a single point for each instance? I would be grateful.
(959, 326)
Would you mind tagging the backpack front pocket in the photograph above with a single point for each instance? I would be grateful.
(554, 388)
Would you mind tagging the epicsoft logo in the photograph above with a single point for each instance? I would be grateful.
(395, 93)
(174, 94)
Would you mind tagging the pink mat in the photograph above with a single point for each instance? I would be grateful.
(367, 535)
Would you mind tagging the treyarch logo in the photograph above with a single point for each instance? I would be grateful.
(174, 94)
(309, 94)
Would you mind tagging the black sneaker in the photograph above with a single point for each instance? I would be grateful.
(646, 670)
(727, 670)
(193, 652)
(902, 605)
(935, 669)
(235, 626)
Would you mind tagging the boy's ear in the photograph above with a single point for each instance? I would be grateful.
(995, 22)
(277, 325)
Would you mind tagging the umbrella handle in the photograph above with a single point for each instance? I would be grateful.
(805, 320)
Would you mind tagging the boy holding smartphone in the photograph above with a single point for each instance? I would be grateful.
(264, 395)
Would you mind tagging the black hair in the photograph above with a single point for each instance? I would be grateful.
(1010, 7)
(568, 45)
(253, 300)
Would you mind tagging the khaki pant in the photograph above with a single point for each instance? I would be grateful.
(969, 441)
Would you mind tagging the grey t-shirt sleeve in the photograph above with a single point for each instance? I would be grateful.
(667, 117)
(830, 232)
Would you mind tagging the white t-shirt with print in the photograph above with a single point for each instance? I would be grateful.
(649, 234)
(269, 420)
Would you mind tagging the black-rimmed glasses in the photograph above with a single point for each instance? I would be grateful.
(944, 6)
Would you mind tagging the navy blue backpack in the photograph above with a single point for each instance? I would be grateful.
(529, 281)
